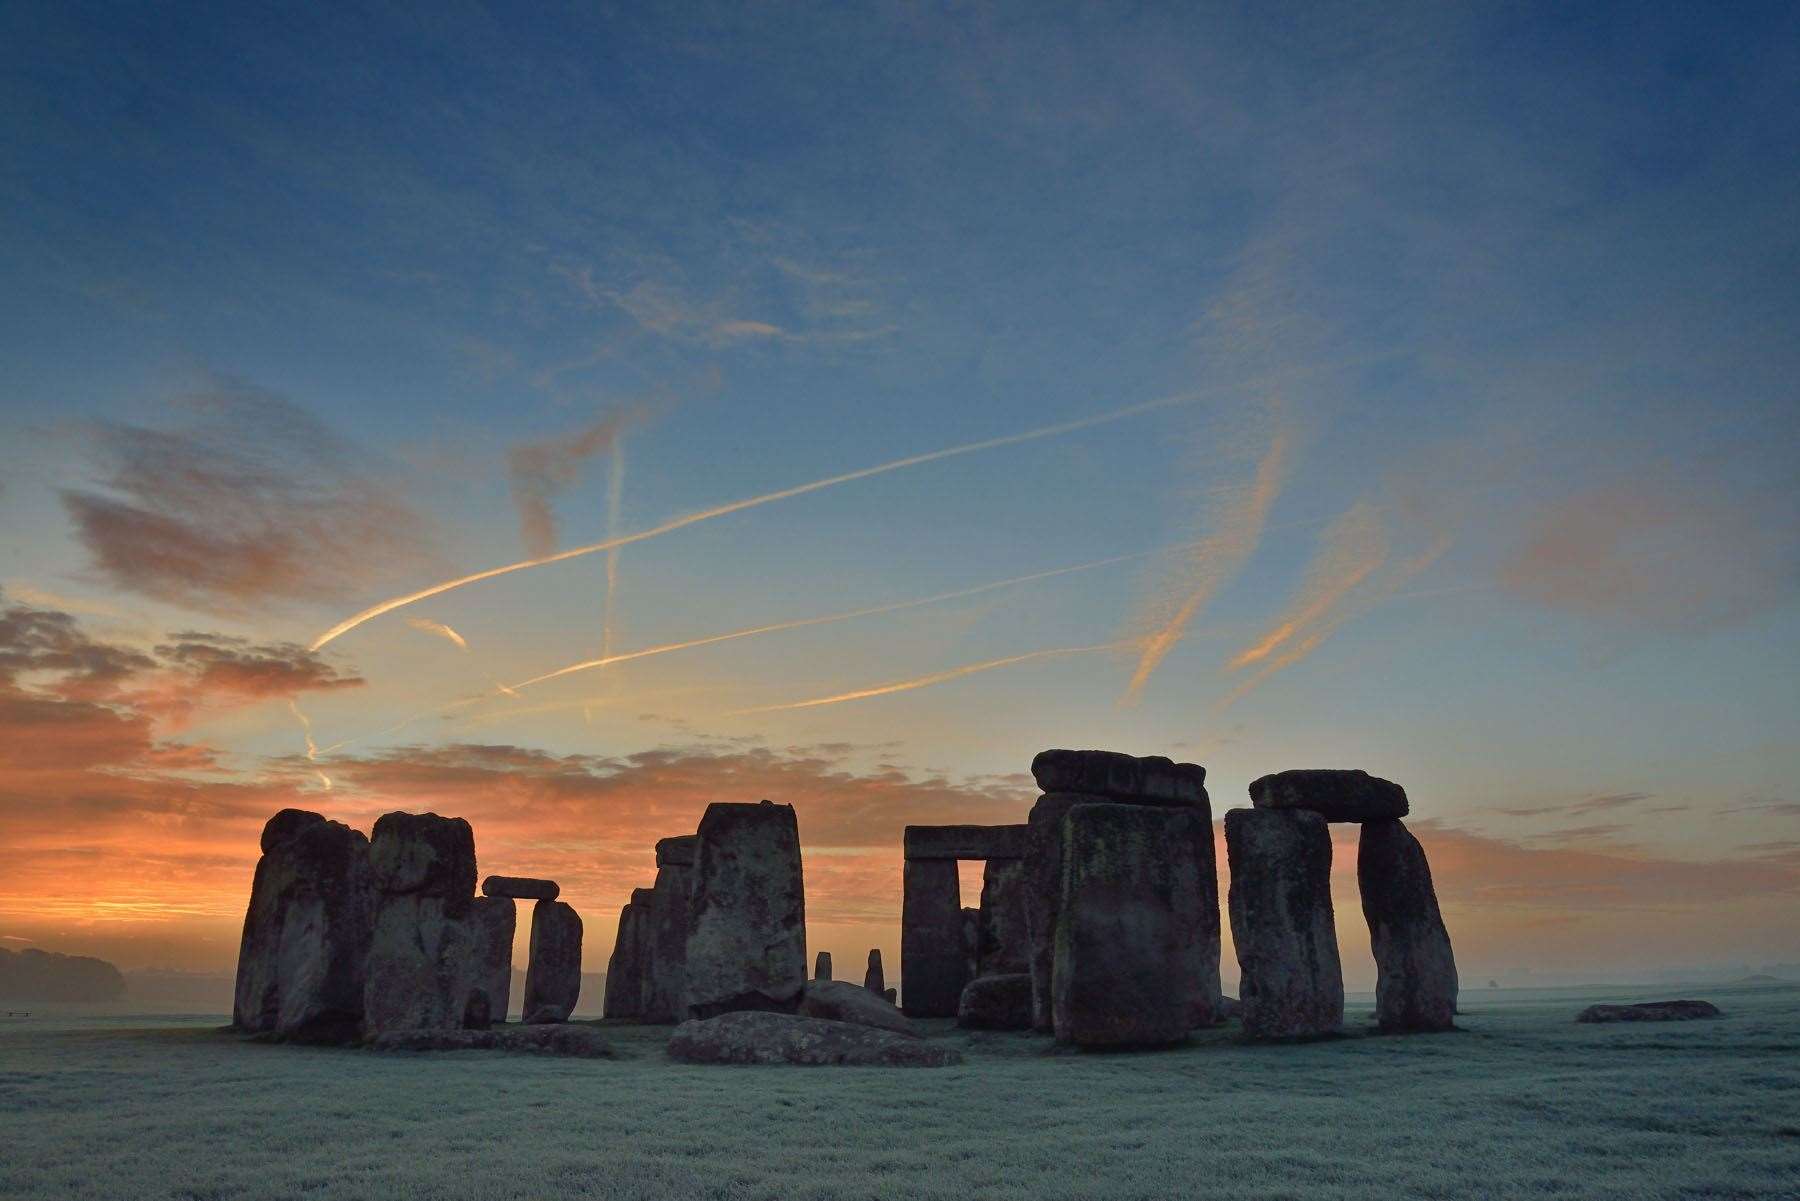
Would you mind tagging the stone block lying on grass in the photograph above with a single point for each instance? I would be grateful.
(759, 1037)
(842, 1001)
(1650, 1011)
(1000, 1002)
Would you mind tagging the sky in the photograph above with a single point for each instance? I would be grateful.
(839, 404)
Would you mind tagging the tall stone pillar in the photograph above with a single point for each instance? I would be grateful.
(1415, 970)
(665, 966)
(553, 979)
(1282, 924)
(933, 967)
(746, 944)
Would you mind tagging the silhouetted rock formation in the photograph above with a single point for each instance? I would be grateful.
(1001, 1002)
(932, 961)
(1338, 796)
(553, 981)
(746, 945)
(625, 970)
(307, 930)
(1650, 1011)
(423, 953)
(1145, 780)
(1131, 962)
(520, 888)
(873, 979)
(1415, 981)
(822, 966)
(842, 1001)
(32, 975)
(1281, 922)
(785, 1038)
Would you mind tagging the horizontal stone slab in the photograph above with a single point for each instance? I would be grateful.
(965, 842)
(520, 888)
(678, 851)
(1120, 776)
(1337, 795)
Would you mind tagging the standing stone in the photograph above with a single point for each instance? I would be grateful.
(625, 991)
(746, 945)
(1281, 921)
(1131, 962)
(822, 966)
(971, 943)
(1415, 971)
(1341, 796)
(425, 943)
(553, 981)
(666, 953)
(873, 979)
(1004, 947)
(932, 962)
(302, 960)
(494, 919)
(1043, 890)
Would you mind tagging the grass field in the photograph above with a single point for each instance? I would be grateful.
(1522, 1103)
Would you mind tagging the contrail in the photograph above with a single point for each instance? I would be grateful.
(1216, 560)
(312, 750)
(1351, 549)
(954, 673)
(737, 506)
(825, 619)
(615, 488)
(428, 626)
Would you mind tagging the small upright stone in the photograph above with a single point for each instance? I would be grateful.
(822, 966)
(1292, 983)
(873, 978)
(1415, 970)
(553, 981)
(1340, 796)
(746, 944)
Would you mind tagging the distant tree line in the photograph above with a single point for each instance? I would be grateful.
(33, 975)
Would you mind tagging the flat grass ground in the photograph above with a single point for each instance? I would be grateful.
(1523, 1102)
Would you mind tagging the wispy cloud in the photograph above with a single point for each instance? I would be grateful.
(937, 677)
(540, 471)
(254, 501)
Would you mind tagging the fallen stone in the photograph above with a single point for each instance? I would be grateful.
(553, 980)
(771, 1038)
(1415, 970)
(1650, 1011)
(1003, 947)
(303, 957)
(873, 979)
(577, 1041)
(1341, 796)
(822, 966)
(425, 943)
(494, 919)
(842, 1001)
(746, 944)
(933, 962)
(1148, 779)
(1292, 984)
(1130, 966)
(522, 888)
(1000, 1002)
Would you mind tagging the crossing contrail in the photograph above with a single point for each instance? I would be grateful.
(939, 677)
(615, 489)
(849, 615)
(427, 626)
(738, 506)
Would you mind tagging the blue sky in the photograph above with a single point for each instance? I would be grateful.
(1519, 281)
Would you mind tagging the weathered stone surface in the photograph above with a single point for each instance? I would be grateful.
(874, 979)
(1650, 1011)
(423, 854)
(769, 1038)
(665, 955)
(822, 966)
(932, 962)
(746, 945)
(1415, 970)
(553, 981)
(425, 943)
(624, 995)
(522, 888)
(971, 943)
(842, 1001)
(678, 851)
(1004, 946)
(1341, 796)
(891, 996)
(1131, 958)
(963, 842)
(493, 920)
(1000, 1002)
(552, 1038)
(1147, 780)
(1281, 921)
(1228, 1008)
(302, 961)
